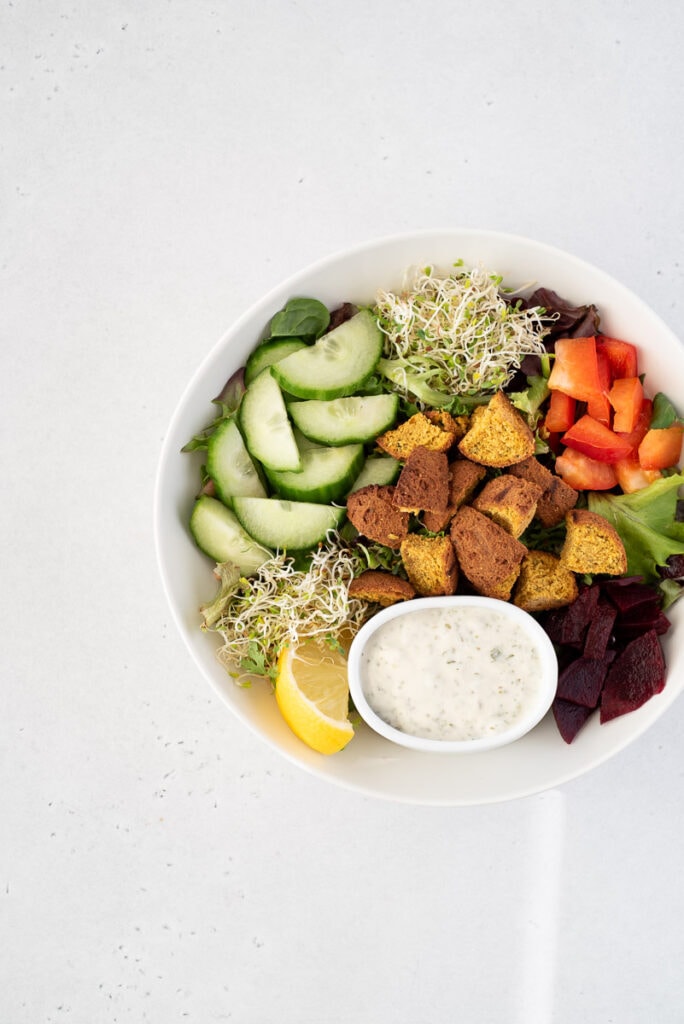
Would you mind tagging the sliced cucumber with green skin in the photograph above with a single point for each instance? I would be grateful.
(265, 427)
(268, 353)
(377, 469)
(345, 420)
(230, 466)
(326, 474)
(218, 533)
(287, 525)
(338, 364)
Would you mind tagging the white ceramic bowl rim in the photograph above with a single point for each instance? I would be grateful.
(540, 760)
(536, 711)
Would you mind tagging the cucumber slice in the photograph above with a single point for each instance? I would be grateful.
(287, 525)
(265, 426)
(338, 364)
(218, 534)
(268, 353)
(377, 469)
(229, 464)
(345, 420)
(325, 475)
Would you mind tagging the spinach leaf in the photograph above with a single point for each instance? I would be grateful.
(664, 413)
(307, 319)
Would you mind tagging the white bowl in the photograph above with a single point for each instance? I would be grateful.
(371, 764)
(528, 627)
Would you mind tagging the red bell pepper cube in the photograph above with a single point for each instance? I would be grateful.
(622, 356)
(641, 427)
(631, 477)
(599, 405)
(661, 448)
(585, 474)
(575, 369)
(561, 414)
(597, 441)
(626, 397)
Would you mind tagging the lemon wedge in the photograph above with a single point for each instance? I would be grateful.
(312, 693)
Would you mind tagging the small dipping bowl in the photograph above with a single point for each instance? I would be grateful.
(395, 626)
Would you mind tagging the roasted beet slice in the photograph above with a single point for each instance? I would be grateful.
(582, 681)
(578, 615)
(629, 626)
(634, 677)
(600, 629)
(630, 595)
(569, 717)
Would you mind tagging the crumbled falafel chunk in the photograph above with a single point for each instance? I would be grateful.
(592, 545)
(464, 476)
(509, 501)
(430, 564)
(498, 434)
(544, 583)
(423, 484)
(372, 511)
(487, 555)
(557, 497)
(416, 432)
(456, 425)
(380, 587)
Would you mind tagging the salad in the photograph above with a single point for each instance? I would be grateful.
(305, 424)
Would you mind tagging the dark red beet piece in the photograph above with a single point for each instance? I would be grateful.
(582, 681)
(630, 626)
(578, 615)
(600, 629)
(634, 677)
(626, 596)
(569, 717)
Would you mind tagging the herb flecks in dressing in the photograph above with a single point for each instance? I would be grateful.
(451, 674)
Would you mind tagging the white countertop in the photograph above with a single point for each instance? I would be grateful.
(163, 165)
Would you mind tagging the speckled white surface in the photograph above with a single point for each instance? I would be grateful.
(163, 164)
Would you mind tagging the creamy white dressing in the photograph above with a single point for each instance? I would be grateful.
(451, 673)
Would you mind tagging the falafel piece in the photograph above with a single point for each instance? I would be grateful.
(423, 484)
(464, 476)
(509, 501)
(592, 545)
(557, 497)
(372, 511)
(380, 587)
(456, 425)
(416, 432)
(487, 555)
(498, 435)
(430, 564)
(544, 583)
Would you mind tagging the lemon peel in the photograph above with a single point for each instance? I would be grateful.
(312, 694)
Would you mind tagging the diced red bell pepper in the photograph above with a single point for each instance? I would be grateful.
(575, 368)
(585, 474)
(626, 397)
(622, 356)
(636, 436)
(599, 405)
(561, 414)
(631, 477)
(597, 441)
(661, 448)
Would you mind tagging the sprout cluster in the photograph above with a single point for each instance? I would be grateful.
(282, 606)
(456, 334)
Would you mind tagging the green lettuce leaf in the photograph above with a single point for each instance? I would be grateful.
(228, 576)
(646, 521)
